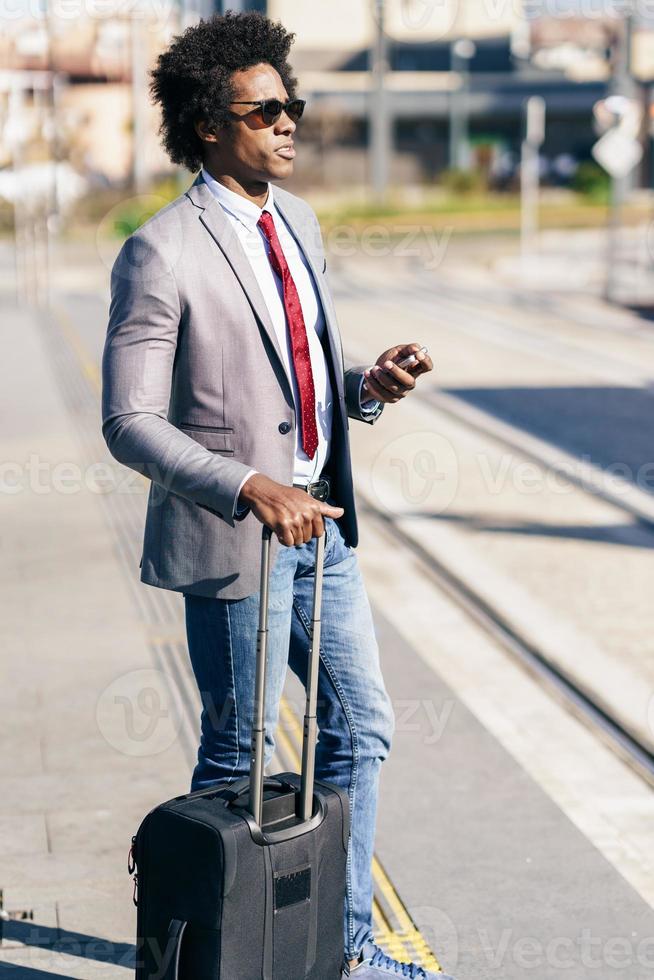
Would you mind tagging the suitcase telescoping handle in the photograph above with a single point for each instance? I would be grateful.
(258, 726)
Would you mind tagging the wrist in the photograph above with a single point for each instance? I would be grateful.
(248, 490)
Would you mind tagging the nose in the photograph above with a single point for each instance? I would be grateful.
(285, 126)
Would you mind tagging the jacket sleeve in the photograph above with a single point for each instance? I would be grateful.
(353, 382)
(137, 367)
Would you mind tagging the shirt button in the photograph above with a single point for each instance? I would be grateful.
(284, 427)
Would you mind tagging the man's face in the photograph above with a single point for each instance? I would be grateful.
(248, 148)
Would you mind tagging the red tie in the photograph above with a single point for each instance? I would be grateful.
(299, 341)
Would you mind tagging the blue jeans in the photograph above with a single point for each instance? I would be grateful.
(354, 714)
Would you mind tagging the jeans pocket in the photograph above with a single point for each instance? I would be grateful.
(331, 530)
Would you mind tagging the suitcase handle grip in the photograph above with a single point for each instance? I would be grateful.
(242, 786)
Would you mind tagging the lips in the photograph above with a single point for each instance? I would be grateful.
(287, 151)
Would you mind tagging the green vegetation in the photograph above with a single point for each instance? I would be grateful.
(459, 202)
(593, 182)
(121, 211)
(463, 182)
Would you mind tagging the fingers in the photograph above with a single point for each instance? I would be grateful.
(306, 521)
(397, 375)
(389, 384)
(318, 528)
(375, 390)
(294, 515)
(425, 363)
(295, 529)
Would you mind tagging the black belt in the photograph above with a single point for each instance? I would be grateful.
(317, 488)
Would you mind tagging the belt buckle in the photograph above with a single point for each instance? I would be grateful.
(319, 489)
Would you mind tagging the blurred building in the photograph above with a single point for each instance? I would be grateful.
(102, 62)
(92, 58)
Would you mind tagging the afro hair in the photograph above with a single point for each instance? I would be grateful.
(193, 77)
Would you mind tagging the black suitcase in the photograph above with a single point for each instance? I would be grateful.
(247, 881)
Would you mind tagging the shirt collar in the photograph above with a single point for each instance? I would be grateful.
(247, 212)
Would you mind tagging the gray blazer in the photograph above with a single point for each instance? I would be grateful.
(194, 391)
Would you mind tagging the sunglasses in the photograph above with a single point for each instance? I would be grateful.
(271, 109)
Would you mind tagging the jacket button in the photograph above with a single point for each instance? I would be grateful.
(284, 427)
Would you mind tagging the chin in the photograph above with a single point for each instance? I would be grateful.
(280, 172)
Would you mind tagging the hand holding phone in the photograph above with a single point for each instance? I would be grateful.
(405, 362)
(411, 359)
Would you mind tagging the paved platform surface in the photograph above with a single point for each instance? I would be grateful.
(480, 846)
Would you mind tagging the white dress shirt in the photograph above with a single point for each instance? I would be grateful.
(243, 215)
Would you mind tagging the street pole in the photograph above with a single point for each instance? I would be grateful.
(14, 135)
(379, 120)
(139, 164)
(530, 174)
(621, 84)
(51, 216)
(461, 51)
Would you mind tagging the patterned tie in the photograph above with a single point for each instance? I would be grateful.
(299, 341)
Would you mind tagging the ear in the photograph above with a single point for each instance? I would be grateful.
(206, 133)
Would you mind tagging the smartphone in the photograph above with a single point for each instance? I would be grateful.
(411, 359)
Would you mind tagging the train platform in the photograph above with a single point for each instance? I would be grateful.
(512, 842)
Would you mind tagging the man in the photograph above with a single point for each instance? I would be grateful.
(224, 383)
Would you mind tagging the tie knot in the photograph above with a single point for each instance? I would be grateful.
(266, 223)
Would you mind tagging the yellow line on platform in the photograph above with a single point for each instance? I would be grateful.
(404, 941)
(88, 366)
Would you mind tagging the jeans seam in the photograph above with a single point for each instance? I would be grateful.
(353, 775)
(233, 681)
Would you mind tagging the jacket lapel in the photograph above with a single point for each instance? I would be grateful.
(218, 226)
(213, 218)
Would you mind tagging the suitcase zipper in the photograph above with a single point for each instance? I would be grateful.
(131, 868)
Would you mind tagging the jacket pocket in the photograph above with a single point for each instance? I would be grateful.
(217, 438)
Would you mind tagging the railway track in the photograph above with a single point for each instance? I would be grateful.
(637, 505)
(560, 683)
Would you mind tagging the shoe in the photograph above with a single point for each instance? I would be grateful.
(374, 964)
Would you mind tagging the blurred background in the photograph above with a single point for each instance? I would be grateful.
(460, 107)
(483, 171)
